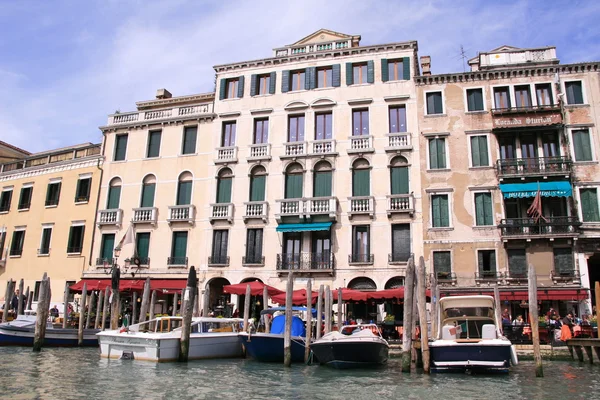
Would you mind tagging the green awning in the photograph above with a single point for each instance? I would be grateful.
(317, 226)
(530, 189)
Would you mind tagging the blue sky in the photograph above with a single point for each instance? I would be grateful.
(65, 65)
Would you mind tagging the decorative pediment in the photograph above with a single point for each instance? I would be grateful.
(322, 35)
(323, 102)
(295, 105)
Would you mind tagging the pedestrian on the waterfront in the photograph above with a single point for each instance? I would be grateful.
(14, 304)
(236, 313)
(518, 321)
(54, 312)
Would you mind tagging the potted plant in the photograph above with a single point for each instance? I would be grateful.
(389, 319)
(594, 321)
(542, 322)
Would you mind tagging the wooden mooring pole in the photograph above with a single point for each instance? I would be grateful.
(265, 306)
(421, 301)
(152, 303)
(66, 305)
(42, 314)
(21, 297)
(116, 300)
(597, 290)
(408, 315)
(498, 309)
(99, 307)
(247, 299)
(29, 300)
(287, 335)
(175, 301)
(146, 300)
(205, 301)
(319, 323)
(88, 317)
(105, 308)
(415, 320)
(82, 315)
(189, 298)
(434, 306)
(340, 310)
(308, 320)
(533, 317)
(327, 310)
(8, 295)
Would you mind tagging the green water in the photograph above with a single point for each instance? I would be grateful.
(81, 373)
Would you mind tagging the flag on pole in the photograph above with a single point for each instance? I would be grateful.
(128, 238)
(535, 210)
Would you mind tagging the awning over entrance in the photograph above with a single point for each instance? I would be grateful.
(573, 294)
(316, 226)
(530, 189)
(166, 286)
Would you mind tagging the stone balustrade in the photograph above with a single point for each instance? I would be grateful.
(110, 217)
(153, 115)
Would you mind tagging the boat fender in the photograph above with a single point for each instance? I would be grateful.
(513, 355)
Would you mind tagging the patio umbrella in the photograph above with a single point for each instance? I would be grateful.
(299, 297)
(256, 289)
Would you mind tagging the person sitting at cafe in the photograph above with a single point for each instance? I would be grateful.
(585, 320)
(54, 312)
(518, 321)
(565, 331)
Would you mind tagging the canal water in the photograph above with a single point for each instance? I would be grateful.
(81, 373)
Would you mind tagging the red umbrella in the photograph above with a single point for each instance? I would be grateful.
(256, 289)
(299, 297)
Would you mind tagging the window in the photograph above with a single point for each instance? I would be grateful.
(322, 180)
(324, 77)
(5, 199)
(298, 80)
(153, 144)
(475, 100)
(479, 151)
(261, 131)
(75, 243)
(53, 194)
(189, 140)
(434, 103)
(45, 241)
(224, 186)
(291, 250)
(484, 213)
(360, 122)
(323, 126)
(321, 250)
(106, 249)
(219, 248)
(517, 263)
(36, 290)
(262, 84)
(148, 190)
(258, 180)
(563, 261)
(184, 189)
(589, 205)
(442, 264)
(296, 128)
(142, 247)
(228, 134)
(16, 245)
(254, 239)
(395, 70)
(294, 176)
(582, 145)
(440, 217)
(359, 73)
(231, 88)
(501, 97)
(2, 242)
(522, 96)
(120, 147)
(82, 192)
(437, 153)
(400, 242)
(361, 178)
(397, 121)
(399, 179)
(543, 92)
(25, 198)
(114, 194)
(178, 249)
(486, 260)
(574, 92)
(361, 246)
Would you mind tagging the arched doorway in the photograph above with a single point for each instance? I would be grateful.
(256, 302)
(394, 307)
(362, 312)
(218, 301)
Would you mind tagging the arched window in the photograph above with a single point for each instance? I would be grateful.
(114, 194)
(224, 180)
(362, 283)
(294, 175)
(361, 178)
(399, 183)
(395, 282)
(322, 180)
(258, 179)
(148, 189)
(184, 189)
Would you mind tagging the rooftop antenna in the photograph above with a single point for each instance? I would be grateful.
(463, 55)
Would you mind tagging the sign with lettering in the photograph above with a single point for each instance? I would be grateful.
(524, 120)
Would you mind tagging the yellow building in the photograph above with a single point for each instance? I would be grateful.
(47, 211)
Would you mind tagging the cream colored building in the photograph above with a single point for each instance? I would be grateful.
(518, 122)
(47, 211)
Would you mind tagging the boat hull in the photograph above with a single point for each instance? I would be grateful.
(267, 347)
(17, 336)
(351, 354)
(453, 356)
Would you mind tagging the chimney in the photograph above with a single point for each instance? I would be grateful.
(425, 65)
(163, 94)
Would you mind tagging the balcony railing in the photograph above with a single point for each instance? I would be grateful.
(226, 154)
(325, 146)
(221, 211)
(145, 215)
(516, 273)
(321, 206)
(398, 141)
(256, 209)
(215, 261)
(260, 151)
(401, 203)
(250, 261)
(544, 227)
(525, 109)
(295, 149)
(291, 207)
(144, 261)
(169, 113)
(177, 261)
(361, 258)
(523, 167)
(306, 261)
(185, 213)
(397, 258)
(445, 277)
(361, 205)
(74, 249)
(110, 217)
(361, 144)
(105, 261)
(487, 276)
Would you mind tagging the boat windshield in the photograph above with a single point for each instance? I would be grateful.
(469, 312)
(213, 327)
(469, 327)
(351, 329)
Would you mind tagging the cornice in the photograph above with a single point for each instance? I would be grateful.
(164, 121)
(202, 97)
(51, 168)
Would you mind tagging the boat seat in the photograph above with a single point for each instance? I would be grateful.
(488, 331)
(447, 332)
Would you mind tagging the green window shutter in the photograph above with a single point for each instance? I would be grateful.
(258, 239)
(399, 177)
(57, 193)
(190, 134)
(272, 81)
(322, 187)
(336, 79)
(120, 147)
(310, 78)
(224, 190)
(108, 244)
(475, 155)
(437, 154)
(184, 193)
(370, 71)
(114, 197)
(46, 236)
(445, 217)
(401, 242)
(48, 193)
(153, 144)
(361, 185)
(439, 211)
(582, 145)
(285, 81)
(148, 195)
(406, 66)
(483, 151)
(488, 209)
(253, 79)
(574, 93)
(250, 244)
(479, 209)
(70, 243)
(179, 248)
(293, 186)
(589, 205)
(441, 151)
(385, 73)
(223, 89)
(257, 188)
(349, 74)
(142, 246)
(240, 92)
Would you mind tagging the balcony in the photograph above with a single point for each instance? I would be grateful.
(176, 113)
(315, 206)
(185, 213)
(398, 142)
(253, 261)
(143, 262)
(226, 155)
(445, 278)
(110, 217)
(218, 261)
(400, 203)
(177, 261)
(221, 212)
(361, 259)
(361, 205)
(361, 144)
(487, 277)
(322, 147)
(522, 117)
(397, 258)
(516, 274)
(259, 152)
(530, 167)
(256, 209)
(548, 227)
(294, 149)
(306, 262)
(290, 208)
(569, 275)
(105, 262)
(145, 215)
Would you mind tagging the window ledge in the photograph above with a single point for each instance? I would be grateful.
(77, 203)
(176, 266)
(231, 99)
(73, 254)
(435, 115)
(476, 112)
(441, 229)
(3, 212)
(439, 170)
(253, 265)
(14, 256)
(577, 105)
(325, 88)
(398, 262)
(484, 227)
(22, 209)
(151, 158)
(263, 95)
(44, 255)
(187, 155)
(396, 81)
(360, 84)
(297, 91)
(119, 161)
(360, 263)
(593, 162)
(52, 206)
(483, 167)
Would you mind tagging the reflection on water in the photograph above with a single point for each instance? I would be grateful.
(77, 373)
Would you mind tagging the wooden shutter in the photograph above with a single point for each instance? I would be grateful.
(483, 152)
(223, 89)
(349, 74)
(46, 235)
(322, 187)
(439, 211)
(488, 209)
(83, 189)
(22, 202)
(57, 192)
(589, 205)
(361, 185)
(480, 209)
(70, 243)
(6, 197)
(442, 262)
(143, 244)
(253, 79)
(272, 81)
(179, 244)
(406, 67)
(581, 143)
(114, 197)
(336, 79)
(250, 244)
(293, 186)
(257, 188)
(517, 262)
(154, 144)
(310, 78)
(401, 242)
(475, 154)
(240, 91)
(563, 260)
(184, 193)
(399, 178)
(121, 147)
(433, 156)
(108, 244)
(385, 73)
(148, 195)
(258, 239)
(189, 139)
(219, 246)
(370, 71)
(285, 81)
(224, 190)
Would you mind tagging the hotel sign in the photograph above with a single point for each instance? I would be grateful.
(527, 120)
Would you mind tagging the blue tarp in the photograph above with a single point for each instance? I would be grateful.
(530, 189)
(316, 226)
(278, 326)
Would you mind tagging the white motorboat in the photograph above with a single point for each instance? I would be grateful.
(158, 339)
(469, 337)
(21, 331)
